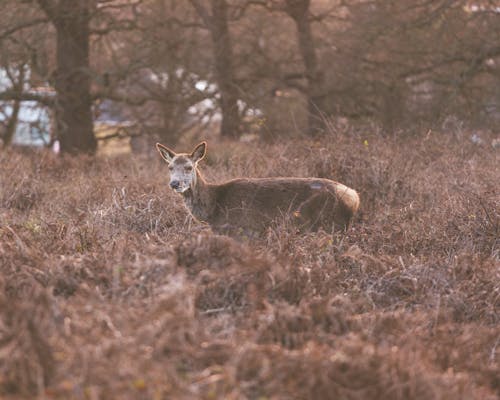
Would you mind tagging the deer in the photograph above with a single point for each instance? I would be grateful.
(249, 206)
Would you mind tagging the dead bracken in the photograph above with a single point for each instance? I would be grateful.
(109, 291)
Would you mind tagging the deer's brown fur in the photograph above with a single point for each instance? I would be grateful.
(252, 204)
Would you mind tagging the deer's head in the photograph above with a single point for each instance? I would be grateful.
(182, 166)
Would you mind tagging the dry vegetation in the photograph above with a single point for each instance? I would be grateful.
(108, 291)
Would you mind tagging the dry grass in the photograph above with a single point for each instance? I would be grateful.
(108, 291)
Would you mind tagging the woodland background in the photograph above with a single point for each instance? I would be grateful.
(267, 67)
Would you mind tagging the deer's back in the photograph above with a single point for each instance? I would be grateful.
(254, 203)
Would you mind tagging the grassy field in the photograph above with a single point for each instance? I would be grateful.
(109, 291)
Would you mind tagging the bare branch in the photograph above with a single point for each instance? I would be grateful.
(24, 25)
(238, 12)
(202, 12)
(127, 99)
(13, 95)
(49, 7)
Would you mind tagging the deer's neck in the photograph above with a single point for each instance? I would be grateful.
(198, 199)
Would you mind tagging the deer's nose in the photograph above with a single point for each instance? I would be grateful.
(174, 184)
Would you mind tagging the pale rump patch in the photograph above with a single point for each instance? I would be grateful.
(316, 185)
(349, 196)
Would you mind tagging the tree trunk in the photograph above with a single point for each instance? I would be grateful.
(10, 129)
(71, 19)
(298, 10)
(223, 58)
(171, 101)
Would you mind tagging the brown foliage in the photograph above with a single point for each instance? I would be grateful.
(108, 291)
(27, 363)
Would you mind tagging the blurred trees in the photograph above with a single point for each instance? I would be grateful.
(21, 30)
(158, 79)
(266, 66)
(16, 80)
(407, 62)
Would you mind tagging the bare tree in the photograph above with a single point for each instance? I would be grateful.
(217, 22)
(298, 10)
(71, 20)
(169, 65)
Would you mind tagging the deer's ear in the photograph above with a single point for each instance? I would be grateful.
(165, 152)
(199, 152)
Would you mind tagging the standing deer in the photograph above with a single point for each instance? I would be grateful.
(250, 205)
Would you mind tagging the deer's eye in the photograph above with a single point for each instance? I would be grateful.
(188, 168)
(170, 168)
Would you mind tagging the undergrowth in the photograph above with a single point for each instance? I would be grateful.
(108, 290)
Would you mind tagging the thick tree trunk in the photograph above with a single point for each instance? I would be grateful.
(223, 58)
(298, 10)
(72, 79)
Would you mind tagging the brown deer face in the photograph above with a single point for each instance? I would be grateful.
(182, 166)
